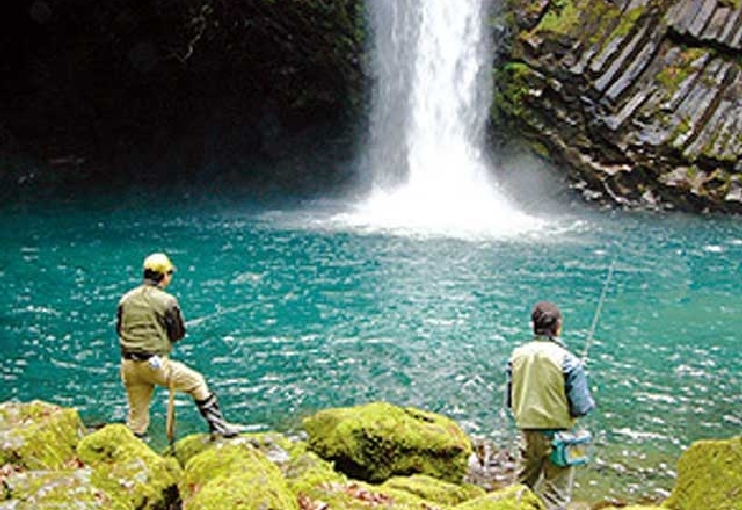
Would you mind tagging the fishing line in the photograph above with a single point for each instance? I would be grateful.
(218, 313)
(598, 310)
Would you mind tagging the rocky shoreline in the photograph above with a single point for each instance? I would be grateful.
(373, 456)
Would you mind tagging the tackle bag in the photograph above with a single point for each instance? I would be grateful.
(571, 448)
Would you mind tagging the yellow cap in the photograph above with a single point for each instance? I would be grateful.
(159, 263)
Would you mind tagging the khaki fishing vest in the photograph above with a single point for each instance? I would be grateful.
(539, 398)
(143, 327)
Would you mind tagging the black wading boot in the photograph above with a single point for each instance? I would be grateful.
(209, 409)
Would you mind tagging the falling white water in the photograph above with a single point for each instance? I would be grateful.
(431, 103)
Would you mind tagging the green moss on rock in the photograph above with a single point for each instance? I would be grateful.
(561, 18)
(38, 435)
(515, 80)
(234, 475)
(517, 497)
(379, 440)
(306, 472)
(672, 76)
(433, 490)
(709, 476)
(56, 489)
(274, 445)
(128, 470)
(355, 495)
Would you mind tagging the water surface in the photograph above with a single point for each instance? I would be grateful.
(293, 309)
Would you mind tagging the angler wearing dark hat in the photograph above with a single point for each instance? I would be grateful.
(149, 322)
(547, 390)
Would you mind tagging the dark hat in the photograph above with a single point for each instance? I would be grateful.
(546, 317)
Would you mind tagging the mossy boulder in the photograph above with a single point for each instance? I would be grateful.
(274, 445)
(234, 475)
(129, 470)
(356, 495)
(379, 440)
(709, 476)
(433, 490)
(38, 435)
(70, 488)
(517, 497)
(307, 474)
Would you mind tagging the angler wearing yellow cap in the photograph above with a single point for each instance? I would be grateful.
(149, 322)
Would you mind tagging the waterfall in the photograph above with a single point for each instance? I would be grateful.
(427, 132)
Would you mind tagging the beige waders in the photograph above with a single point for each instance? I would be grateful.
(552, 483)
(140, 378)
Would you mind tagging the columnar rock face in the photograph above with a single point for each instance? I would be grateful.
(641, 99)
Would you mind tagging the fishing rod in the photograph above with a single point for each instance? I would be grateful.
(598, 310)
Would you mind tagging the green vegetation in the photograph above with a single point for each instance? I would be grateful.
(509, 98)
(628, 21)
(731, 4)
(561, 18)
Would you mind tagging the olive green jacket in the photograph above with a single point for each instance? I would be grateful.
(539, 396)
(148, 320)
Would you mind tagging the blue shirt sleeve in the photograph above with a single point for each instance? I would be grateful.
(575, 384)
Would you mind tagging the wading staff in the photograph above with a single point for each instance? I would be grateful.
(170, 417)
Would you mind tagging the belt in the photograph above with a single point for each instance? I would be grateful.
(550, 433)
(137, 356)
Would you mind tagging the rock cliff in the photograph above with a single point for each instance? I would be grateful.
(640, 99)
